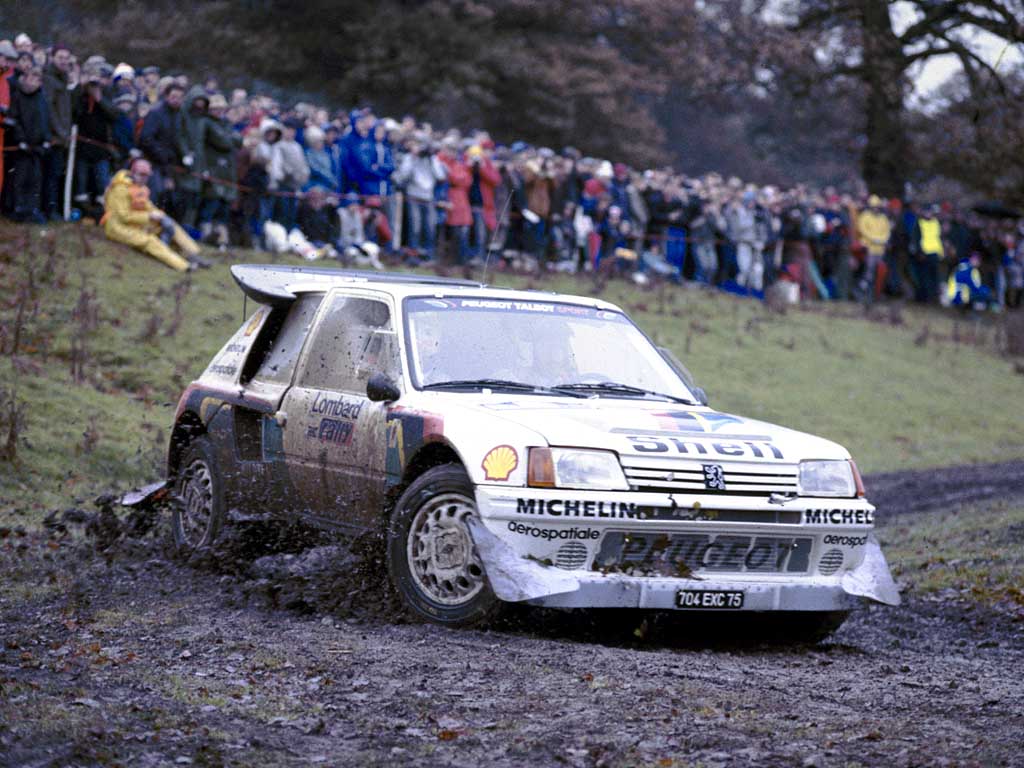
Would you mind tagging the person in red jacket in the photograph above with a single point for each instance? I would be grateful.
(7, 58)
(486, 179)
(460, 216)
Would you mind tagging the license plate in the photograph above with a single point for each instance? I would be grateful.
(706, 599)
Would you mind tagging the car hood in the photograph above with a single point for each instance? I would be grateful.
(647, 427)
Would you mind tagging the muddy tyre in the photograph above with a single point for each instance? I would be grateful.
(432, 561)
(198, 515)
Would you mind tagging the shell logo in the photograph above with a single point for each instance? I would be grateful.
(500, 462)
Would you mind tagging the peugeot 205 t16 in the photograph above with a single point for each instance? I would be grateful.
(513, 446)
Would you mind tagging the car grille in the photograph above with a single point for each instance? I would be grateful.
(649, 473)
(684, 554)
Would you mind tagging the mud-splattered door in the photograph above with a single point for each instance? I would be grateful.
(335, 441)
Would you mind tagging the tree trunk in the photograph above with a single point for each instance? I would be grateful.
(885, 160)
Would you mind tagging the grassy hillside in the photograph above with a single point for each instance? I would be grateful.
(108, 338)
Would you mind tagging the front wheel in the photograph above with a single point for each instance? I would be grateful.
(432, 560)
(199, 512)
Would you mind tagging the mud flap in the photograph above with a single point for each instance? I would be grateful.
(147, 495)
(872, 579)
(512, 577)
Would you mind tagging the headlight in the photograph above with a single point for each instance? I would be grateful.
(575, 468)
(827, 478)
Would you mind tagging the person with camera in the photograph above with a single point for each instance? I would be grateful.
(95, 117)
(420, 172)
(485, 180)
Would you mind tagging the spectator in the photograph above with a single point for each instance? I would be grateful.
(220, 169)
(131, 218)
(748, 236)
(926, 252)
(23, 43)
(7, 56)
(288, 173)
(420, 172)
(96, 119)
(322, 170)
(358, 152)
(24, 63)
(123, 131)
(258, 175)
(538, 185)
(160, 144)
(151, 91)
(193, 135)
(318, 219)
(965, 288)
(459, 216)
(481, 195)
(29, 123)
(56, 84)
(873, 231)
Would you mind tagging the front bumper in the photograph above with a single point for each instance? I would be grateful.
(618, 591)
(522, 536)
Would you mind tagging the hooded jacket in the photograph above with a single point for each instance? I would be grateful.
(158, 139)
(58, 97)
(220, 159)
(192, 138)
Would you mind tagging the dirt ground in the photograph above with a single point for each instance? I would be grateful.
(286, 651)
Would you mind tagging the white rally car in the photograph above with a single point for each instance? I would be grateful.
(514, 446)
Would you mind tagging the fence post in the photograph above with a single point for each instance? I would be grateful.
(69, 174)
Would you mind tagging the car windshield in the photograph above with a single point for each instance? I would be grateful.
(470, 343)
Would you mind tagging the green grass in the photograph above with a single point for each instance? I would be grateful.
(864, 382)
(974, 552)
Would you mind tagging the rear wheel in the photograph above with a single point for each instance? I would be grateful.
(432, 560)
(199, 514)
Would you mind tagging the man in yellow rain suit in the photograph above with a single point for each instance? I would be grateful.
(131, 218)
(873, 230)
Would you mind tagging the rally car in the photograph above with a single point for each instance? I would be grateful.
(512, 446)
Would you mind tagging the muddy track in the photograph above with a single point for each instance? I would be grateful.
(895, 493)
(285, 650)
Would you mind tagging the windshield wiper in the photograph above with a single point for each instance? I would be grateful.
(517, 386)
(614, 387)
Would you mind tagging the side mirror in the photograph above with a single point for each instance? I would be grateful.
(381, 389)
(701, 395)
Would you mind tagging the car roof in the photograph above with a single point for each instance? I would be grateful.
(280, 284)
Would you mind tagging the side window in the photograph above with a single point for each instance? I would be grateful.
(279, 361)
(354, 339)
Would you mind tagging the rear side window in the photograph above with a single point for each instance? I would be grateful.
(354, 339)
(282, 349)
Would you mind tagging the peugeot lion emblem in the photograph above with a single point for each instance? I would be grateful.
(714, 478)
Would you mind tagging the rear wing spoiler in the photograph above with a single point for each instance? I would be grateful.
(275, 285)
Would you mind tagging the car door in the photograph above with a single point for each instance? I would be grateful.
(263, 481)
(335, 444)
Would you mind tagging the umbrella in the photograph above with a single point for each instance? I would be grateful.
(996, 210)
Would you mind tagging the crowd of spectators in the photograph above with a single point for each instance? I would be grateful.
(236, 168)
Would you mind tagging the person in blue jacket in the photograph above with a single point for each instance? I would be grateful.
(965, 287)
(367, 160)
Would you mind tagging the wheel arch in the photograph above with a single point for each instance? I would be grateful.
(188, 427)
(431, 455)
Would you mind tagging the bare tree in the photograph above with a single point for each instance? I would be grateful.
(859, 39)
